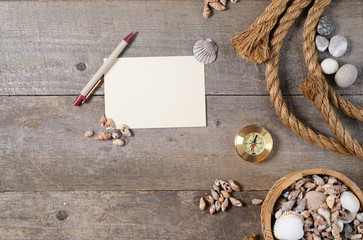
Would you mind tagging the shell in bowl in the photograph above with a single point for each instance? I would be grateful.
(289, 226)
(289, 179)
(205, 51)
(350, 202)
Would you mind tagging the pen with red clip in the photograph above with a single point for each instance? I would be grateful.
(96, 79)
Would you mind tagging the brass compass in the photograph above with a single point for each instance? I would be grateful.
(253, 143)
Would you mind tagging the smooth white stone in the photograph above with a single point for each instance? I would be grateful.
(329, 66)
(321, 43)
(338, 45)
(346, 75)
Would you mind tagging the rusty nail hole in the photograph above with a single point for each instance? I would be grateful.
(81, 66)
(61, 215)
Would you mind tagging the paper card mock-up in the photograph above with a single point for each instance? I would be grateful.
(156, 92)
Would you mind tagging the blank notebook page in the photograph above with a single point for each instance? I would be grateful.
(156, 92)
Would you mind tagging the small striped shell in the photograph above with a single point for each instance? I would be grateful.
(205, 51)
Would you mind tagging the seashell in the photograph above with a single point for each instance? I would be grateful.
(346, 75)
(326, 235)
(256, 201)
(314, 200)
(328, 189)
(332, 180)
(289, 226)
(278, 213)
(216, 188)
(349, 217)
(212, 209)
(293, 195)
(279, 203)
(286, 194)
(234, 186)
(118, 142)
(223, 2)
(318, 180)
(109, 123)
(116, 134)
(126, 131)
(318, 219)
(89, 133)
(308, 222)
(210, 199)
(202, 204)
(287, 206)
(235, 202)
(225, 185)
(221, 198)
(335, 231)
(330, 201)
(350, 202)
(309, 185)
(308, 236)
(301, 206)
(234, 1)
(324, 206)
(103, 120)
(340, 224)
(218, 206)
(338, 45)
(326, 214)
(360, 216)
(205, 51)
(214, 194)
(250, 237)
(334, 216)
(356, 222)
(315, 237)
(329, 66)
(337, 207)
(217, 6)
(206, 10)
(103, 136)
(356, 236)
(224, 205)
(305, 214)
(225, 194)
(216, 182)
(360, 228)
(301, 182)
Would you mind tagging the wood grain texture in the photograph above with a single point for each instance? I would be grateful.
(42, 42)
(42, 147)
(123, 215)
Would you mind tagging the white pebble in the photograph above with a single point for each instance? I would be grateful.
(329, 66)
(321, 43)
(338, 45)
(346, 75)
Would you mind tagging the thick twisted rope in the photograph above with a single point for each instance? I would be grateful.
(252, 44)
(273, 84)
(249, 45)
(316, 88)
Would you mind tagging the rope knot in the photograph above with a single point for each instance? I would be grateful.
(311, 87)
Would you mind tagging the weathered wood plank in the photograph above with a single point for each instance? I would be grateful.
(42, 147)
(123, 215)
(42, 42)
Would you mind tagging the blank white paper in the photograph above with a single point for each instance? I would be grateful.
(156, 92)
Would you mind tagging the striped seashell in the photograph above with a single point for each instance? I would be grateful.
(223, 2)
(217, 6)
(206, 10)
(103, 136)
(205, 51)
(202, 204)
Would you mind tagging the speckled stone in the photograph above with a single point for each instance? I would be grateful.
(338, 45)
(329, 66)
(346, 75)
(325, 26)
(321, 43)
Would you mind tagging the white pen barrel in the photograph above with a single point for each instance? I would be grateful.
(104, 68)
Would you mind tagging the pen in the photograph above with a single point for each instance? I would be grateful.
(96, 79)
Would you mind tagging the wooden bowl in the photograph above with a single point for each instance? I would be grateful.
(285, 182)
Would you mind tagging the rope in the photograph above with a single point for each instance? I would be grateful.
(253, 45)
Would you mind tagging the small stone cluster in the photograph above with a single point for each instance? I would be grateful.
(219, 5)
(318, 207)
(220, 196)
(347, 74)
(119, 135)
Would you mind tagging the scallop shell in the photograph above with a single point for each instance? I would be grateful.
(350, 202)
(205, 51)
(289, 226)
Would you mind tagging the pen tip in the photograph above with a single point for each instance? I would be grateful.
(128, 37)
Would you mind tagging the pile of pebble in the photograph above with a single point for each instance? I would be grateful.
(346, 75)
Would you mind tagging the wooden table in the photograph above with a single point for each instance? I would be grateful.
(56, 184)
